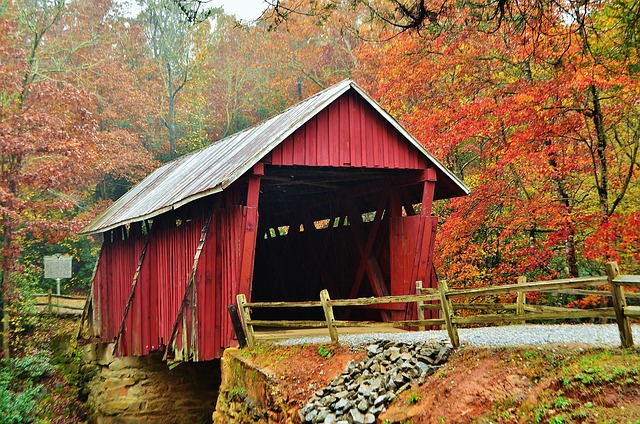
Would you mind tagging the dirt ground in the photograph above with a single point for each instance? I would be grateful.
(548, 384)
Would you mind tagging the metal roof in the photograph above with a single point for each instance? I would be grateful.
(215, 167)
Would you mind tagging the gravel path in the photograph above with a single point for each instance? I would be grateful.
(513, 335)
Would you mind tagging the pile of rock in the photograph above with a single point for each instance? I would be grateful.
(362, 391)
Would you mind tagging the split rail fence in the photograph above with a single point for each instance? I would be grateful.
(442, 300)
(59, 304)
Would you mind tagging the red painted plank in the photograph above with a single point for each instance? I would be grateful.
(355, 134)
(343, 129)
(310, 144)
(299, 146)
(323, 137)
(378, 141)
(334, 143)
(370, 141)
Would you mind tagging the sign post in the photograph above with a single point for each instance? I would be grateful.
(57, 267)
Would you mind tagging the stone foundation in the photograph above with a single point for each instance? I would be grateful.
(144, 389)
(249, 395)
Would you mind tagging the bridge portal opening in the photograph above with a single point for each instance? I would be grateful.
(325, 228)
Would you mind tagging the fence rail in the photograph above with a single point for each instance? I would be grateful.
(59, 304)
(497, 312)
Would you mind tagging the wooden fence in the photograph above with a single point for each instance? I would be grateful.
(448, 303)
(54, 304)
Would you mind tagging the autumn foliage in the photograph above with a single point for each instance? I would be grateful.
(541, 123)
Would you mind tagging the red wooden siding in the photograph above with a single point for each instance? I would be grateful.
(348, 133)
(411, 257)
(163, 280)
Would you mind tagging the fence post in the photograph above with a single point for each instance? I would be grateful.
(328, 315)
(619, 303)
(246, 319)
(447, 312)
(49, 302)
(522, 298)
(419, 304)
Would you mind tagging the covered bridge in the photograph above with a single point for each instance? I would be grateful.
(324, 195)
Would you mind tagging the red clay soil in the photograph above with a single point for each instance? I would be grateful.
(552, 384)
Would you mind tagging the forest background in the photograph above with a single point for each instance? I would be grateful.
(534, 104)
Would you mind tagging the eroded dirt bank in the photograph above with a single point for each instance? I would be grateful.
(548, 384)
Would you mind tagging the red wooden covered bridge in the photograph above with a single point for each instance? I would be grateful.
(324, 195)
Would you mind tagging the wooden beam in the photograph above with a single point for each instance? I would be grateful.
(328, 315)
(522, 298)
(134, 284)
(190, 286)
(250, 231)
(355, 218)
(428, 191)
(88, 306)
(619, 304)
(447, 313)
(241, 299)
(529, 286)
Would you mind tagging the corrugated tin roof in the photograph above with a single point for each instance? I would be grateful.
(215, 167)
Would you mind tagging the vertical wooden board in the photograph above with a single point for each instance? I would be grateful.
(220, 289)
(299, 146)
(136, 334)
(395, 162)
(379, 141)
(311, 134)
(386, 153)
(248, 250)
(286, 147)
(323, 137)
(368, 142)
(334, 143)
(276, 156)
(364, 140)
(355, 135)
(345, 142)
(213, 314)
(110, 297)
(150, 273)
(396, 254)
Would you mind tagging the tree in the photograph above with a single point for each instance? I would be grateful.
(46, 128)
(519, 119)
(171, 42)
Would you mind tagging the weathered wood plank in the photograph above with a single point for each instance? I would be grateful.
(527, 287)
(285, 324)
(328, 315)
(361, 301)
(619, 303)
(632, 311)
(391, 324)
(496, 318)
(382, 300)
(579, 292)
(447, 313)
(522, 297)
(304, 304)
(483, 306)
(420, 303)
(134, 284)
(243, 309)
(628, 279)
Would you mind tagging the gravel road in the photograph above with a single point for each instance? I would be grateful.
(513, 335)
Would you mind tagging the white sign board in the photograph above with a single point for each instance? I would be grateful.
(57, 266)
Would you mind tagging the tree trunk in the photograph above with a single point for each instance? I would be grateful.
(563, 199)
(171, 114)
(601, 136)
(6, 333)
